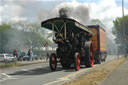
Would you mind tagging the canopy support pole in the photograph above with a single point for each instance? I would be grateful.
(53, 31)
(65, 30)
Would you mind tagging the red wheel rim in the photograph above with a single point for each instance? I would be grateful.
(53, 61)
(78, 62)
(92, 55)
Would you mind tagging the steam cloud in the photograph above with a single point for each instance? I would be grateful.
(79, 12)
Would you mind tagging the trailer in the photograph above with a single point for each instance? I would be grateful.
(99, 40)
(74, 43)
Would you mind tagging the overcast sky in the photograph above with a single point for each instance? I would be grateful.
(39, 10)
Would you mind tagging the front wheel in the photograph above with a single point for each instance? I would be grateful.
(77, 61)
(53, 62)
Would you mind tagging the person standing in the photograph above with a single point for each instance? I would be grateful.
(47, 57)
(30, 53)
(15, 53)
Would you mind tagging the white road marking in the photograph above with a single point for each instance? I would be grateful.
(24, 69)
(3, 79)
(52, 82)
(70, 76)
(59, 80)
(65, 79)
(4, 74)
(6, 77)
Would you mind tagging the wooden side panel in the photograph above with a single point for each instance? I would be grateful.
(103, 47)
(95, 39)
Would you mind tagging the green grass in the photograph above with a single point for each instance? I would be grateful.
(7, 65)
(121, 62)
(10, 65)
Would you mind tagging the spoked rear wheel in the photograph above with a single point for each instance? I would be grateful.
(91, 55)
(53, 62)
(77, 61)
(89, 61)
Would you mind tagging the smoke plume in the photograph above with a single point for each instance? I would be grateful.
(63, 12)
(77, 11)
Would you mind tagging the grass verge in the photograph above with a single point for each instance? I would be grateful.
(95, 76)
(11, 65)
(7, 65)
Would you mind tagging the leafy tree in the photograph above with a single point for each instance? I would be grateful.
(21, 35)
(118, 31)
(4, 32)
(35, 36)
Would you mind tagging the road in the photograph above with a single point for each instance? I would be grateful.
(40, 74)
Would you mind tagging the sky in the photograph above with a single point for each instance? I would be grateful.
(39, 10)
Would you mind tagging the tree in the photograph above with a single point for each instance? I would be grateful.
(4, 32)
(35, 36)
(118, 31)
(21, 36)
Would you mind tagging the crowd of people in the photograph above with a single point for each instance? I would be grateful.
(30, 53)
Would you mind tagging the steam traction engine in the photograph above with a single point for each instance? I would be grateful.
(74, 45)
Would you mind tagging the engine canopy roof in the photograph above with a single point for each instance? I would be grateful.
(71, 24)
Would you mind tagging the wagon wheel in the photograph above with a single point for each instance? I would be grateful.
(77, 61)
(89, 61)
(91, 55)
(53, 62)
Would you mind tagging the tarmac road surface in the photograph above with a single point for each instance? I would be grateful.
(40, 74)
